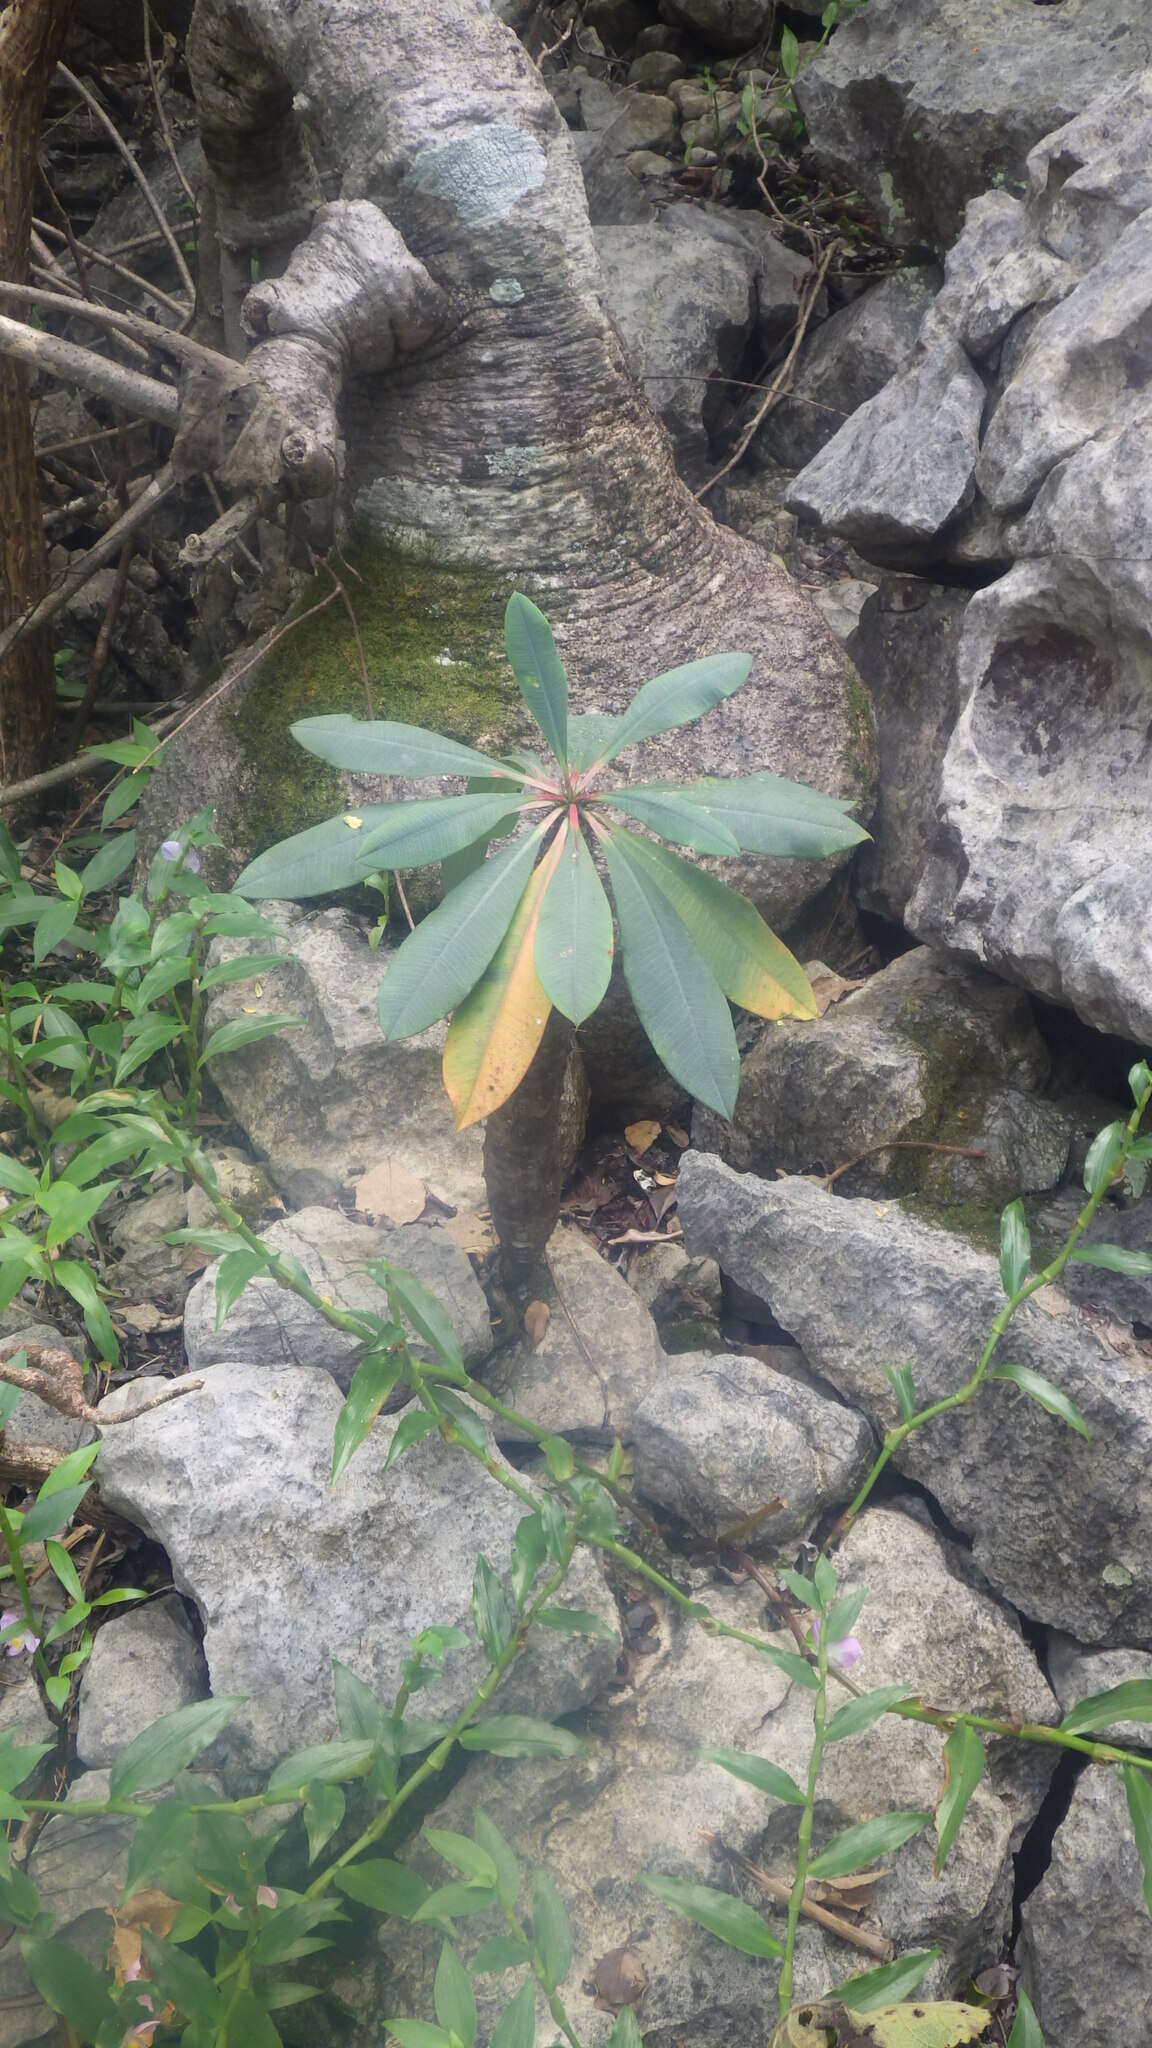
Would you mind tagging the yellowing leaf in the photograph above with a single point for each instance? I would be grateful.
(496, 1031)
(910, 2025)
(643, 1134)
(351, 819)
(537, 1317)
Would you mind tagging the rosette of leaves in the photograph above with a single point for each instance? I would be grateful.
(528, 928)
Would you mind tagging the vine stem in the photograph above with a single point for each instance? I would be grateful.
(804, 1832)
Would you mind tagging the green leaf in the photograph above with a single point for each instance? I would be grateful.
(466, 1421)
(159, 1841)
(433, 828)
(372, 1382)
(574, 1621)
(69, 1984)
(122, 796)
(312, 863)
(47, 1516)
(789, 53)
(899, 1378)
(454, 1997)
(108, 863)
(856, 1715)
(885, 1986)
(454, 1902)
(685, 824)
(359, 1714)
(753, 967)
(410, 1429)
(1015, 1248)
(52, 925)
(516, 2026)
(538, 670)
(71, 1209)
(1131, 1701)
(963, 1770)
(445, 956)
(626, 2032)
(824, 1580)
(677, 697)
(490, 1839)
(500, 1952)
(427, 1316)
(9, 856)
(473, 1862)
(802, 1589)
(796, 1667)
(559, 1455)
(323, 1763)
(496, 1031)
(1114, 1258)
(864, 1843)
(843, 1614)
(386, 1886)
(418, 2034)
(574, 941)
(767, 814)
(241, 1031)
(729, 1918)
(18, 1179)
(66, 1476)
(249, 2025)
(1103, 1157)
(1025, 2027)
(677, 998)
(182, 1979)
(155, 1035)
(169, 1746)
(1039, 1389)
(236, 1269)
(244, 967)
(322, 1816)
(62, 1565)
(519, 1735)
(380, 747)
(756, 1770)
(551, 1932)
(529, 1549)
(1138, 1787)
(490, 1608)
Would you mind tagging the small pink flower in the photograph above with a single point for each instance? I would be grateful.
(171, 849)
(843, 1653)
(25, 1642)
(140, 2035)
(265, 1896)
(133, 1971)
(232, 1903)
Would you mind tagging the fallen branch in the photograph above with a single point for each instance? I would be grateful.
(57, 1379)
(777, 1888)
(148, 332)
(901, 1145)
(154, 206)
(780, 382)
(115, 381)
(161, 116)
(107, 259)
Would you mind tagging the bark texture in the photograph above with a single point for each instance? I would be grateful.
(529, 1147)
(489, 413)
(31, 38)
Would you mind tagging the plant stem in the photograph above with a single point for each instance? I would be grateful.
(12, 1546)
(18, 1077)
(804, 1832)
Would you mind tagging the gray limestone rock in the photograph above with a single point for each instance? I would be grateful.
(323, 1103)
(845, 362)
(902, 466)
(1084, 1942)
(923, 103)
(724, 24)
(1128, 1296)
(1077, 1674)
(905, 649)
(307, 1572)
(892, 1061)
(671, 1285)
(598, 1356)
(1024, 1142)
(78, 1865)
(1059, 1525)
(720, 1437)
(145, 1663)
(269, 1327)
(1089, 180)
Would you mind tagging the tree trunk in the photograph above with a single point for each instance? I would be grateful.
(31, 38)
(457, 362)
(529, 1146)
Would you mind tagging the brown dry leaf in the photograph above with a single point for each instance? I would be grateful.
(828, 987)
(678, 1136)
(664, 1180)
(640, 1135)
(389, 1193)
(145, 1317)
(151, 1909)
(471, 1231)
(845, 1894)
(537, 1317)
(619, 1979)
(648, 1236)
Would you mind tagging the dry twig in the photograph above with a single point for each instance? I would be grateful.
(776, 1888)
(154, 206)
(780, 382)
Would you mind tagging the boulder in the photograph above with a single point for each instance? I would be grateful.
(671, 1285)
(289, 1572)
(1091, 179)
(896, 1060)
(269, 1327)
(1084, 1940)
(1077, 1674)
(905, 649)
(720, 1437)
(843, 363)
(1058, 1525)
(1023, 1144)
(145, 1663)
(323, 1103)
(921, 104)
(1127, 1296)
(902, 467)
(646, 121)
(597, 1358)
(724, 24)
(149, 1268)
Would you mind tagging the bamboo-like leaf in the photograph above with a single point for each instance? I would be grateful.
(1115, 1258)
(1025, 2027)
(885, 1986)
(496, 1031)
(1130, 1701)
(963, 1770)
(1042, 1390)
(684, 824)
(768, 814)
(445, 956)
(539, 670)
(380, 747)
(1015, 1248)
(574, 939)
(677, 998)
(325, 857)
(1138, 1787)
(730, 1918)
(753, 967)
(757, 1770)
(857, 1846)
(433, 828)
(677, 697)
